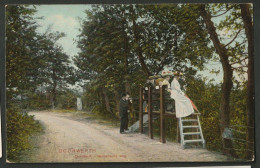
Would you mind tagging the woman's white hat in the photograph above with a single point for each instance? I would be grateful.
(166, 73)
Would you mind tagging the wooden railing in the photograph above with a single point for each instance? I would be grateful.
(162, 112)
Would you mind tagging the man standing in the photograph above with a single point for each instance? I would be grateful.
(123, 113)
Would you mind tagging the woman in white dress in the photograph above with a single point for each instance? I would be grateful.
(183, 104)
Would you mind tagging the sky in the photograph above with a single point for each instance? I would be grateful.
(62, 18)
(66, 18)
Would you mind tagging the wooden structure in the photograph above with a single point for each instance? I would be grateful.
(181, 134)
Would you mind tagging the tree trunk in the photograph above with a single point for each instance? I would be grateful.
(127, 84)
(106, 100)
(139, 49)
(246, 16)
(117, 99)
(54, 78)
(126, 51)
(54, 96)
(227, 80)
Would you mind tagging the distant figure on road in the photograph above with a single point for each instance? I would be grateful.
(123, 111)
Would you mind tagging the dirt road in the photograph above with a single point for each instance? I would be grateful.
(68, 139)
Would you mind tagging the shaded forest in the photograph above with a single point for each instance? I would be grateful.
(120, 47)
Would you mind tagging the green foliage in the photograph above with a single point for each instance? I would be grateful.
(34, 62)
(36, 69)
(21, 51)
(116, 43)
(20, 48)
(206, 97)
(100, 112)
(239, 120)
(230, 29)
(116, 38)
(67, 100)
(37, 101)
(20, 126)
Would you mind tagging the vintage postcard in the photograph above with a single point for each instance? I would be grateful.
(130, 83)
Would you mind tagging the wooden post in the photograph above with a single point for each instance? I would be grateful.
(178, 139)
(162, 113)
(141, 110)
(150, 115)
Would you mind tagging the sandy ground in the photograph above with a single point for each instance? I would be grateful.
(75, 139)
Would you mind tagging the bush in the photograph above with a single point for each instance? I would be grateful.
(38, 101)
(67, 100)
(20, 126)
(101, 112)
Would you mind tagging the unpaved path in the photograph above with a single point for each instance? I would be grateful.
(67, 139)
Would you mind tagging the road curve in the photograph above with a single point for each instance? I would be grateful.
(70, 140)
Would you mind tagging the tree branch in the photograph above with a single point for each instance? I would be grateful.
(233, 38)
(239, 61)
(231, 48)
(163, 61)
(221, 14)
(240, 68)
(139, 49)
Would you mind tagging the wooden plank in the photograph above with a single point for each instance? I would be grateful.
(178, 137)
(150, 120)
(162, 115)
(158, 99)
(170, 115)
(156, 92)
(141, 110)
(166, 113)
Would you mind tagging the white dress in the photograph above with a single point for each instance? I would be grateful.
(183, 105)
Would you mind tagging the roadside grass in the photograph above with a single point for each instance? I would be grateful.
(20, 128)
(63, 110)
(27, 155)
(105, 119)
(98, 117)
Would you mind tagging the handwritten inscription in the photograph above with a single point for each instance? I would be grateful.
(88, 153)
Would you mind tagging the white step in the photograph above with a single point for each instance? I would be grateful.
(191, 133)
(183, 134)
(190, 120)
(190, 126)
(194, 140)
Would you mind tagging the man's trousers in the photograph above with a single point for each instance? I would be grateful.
(123, 123)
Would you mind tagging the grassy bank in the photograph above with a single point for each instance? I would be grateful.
(20, 128)
(99, 117)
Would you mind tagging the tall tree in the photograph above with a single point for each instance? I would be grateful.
(126, 43)
(227, 78)
(230, 27)
(248, 24)
(58, 71)
(20, 48)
